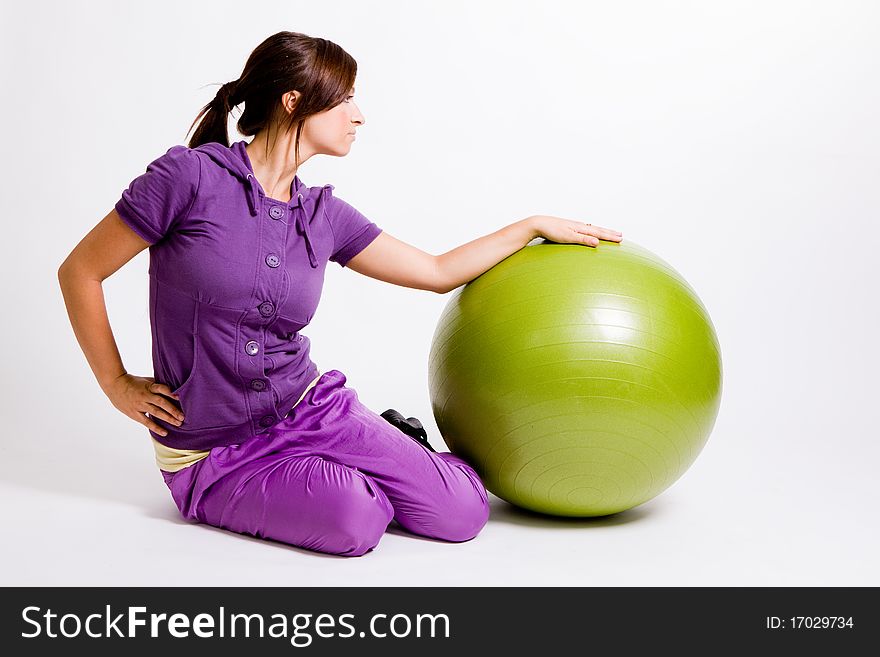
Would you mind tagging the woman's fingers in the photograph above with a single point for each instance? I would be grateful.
(162, 408)
(147, 421)
(603, 233)
(166, 410)
(610, 231)
(162, 389)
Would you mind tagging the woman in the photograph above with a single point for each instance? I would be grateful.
(249, 435)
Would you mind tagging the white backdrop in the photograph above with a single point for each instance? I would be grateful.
(737, 140)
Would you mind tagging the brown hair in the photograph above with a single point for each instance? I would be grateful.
(319, 69)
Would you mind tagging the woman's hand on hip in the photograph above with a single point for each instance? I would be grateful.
(138, 395)
(566, 231)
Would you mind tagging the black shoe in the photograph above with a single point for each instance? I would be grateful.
(410, 426)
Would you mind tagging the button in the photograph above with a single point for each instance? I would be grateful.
(267, 308)
(252, 347)
(267, 421)
(300, 196)
(273, 260)
(276, 212)
(258, 385)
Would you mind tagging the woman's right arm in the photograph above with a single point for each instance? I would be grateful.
(107, 247)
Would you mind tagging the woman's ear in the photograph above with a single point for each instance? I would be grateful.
(289, 100)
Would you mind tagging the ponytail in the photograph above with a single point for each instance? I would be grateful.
(216, 113)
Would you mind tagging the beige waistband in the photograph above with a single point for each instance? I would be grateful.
(170, 459)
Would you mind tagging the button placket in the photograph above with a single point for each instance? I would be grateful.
(264, 412)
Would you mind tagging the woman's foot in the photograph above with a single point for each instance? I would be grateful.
(410, 426)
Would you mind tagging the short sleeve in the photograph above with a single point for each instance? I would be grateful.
(158, 199)
(352, 231)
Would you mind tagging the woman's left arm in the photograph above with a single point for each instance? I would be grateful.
(388, 259)
(468, 261)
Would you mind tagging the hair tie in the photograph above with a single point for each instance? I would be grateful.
(227, 91)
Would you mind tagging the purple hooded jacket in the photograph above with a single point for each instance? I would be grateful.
(234, 277)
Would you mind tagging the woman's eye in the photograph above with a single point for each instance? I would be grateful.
(347, 99)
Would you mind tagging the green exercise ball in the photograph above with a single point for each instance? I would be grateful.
(576, 381)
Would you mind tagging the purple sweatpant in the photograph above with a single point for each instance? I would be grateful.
(330, 477)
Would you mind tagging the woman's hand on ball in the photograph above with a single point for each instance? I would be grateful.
(566, 231)
(138, 395)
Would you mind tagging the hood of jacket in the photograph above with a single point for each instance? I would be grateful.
(304, 200)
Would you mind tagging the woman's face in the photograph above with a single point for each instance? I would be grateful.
(332, 131)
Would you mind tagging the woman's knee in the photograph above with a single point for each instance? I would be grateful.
(360, 515)
(456, 517)
(467, 517)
